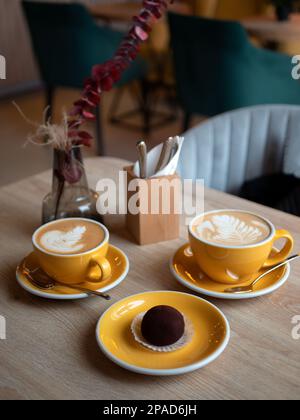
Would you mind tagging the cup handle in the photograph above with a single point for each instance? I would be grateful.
(99, 270)
(286, 250)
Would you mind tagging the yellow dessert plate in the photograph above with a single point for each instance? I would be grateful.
(185, 269)
(120, 268)
(210, 337)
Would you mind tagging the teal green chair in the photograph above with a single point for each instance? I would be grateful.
(219, 70)
(68, 43)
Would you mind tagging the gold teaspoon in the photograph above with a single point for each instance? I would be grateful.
(43, 281)
(249, 288)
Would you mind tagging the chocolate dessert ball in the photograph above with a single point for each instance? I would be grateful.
(163, 326)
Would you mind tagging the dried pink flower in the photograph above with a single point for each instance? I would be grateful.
(105, 75)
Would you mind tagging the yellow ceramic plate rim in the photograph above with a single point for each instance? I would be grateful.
(165, 372)
(230, 296)
(58, 296)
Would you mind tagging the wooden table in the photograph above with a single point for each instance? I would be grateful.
(271, 30)
(267, 29)
(51, 352)
(124, 12)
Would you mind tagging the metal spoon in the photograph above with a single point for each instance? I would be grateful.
(250, 287)
(165, 154)
(174, 148)
(142, 154)
(41, 280)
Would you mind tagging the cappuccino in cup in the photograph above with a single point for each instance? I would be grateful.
(73, 251)
(232, 228)
(231, 246)
(69, 237)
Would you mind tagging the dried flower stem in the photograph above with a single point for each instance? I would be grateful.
(105, 75)
(68, 134)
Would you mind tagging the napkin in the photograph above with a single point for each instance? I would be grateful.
(153, 159)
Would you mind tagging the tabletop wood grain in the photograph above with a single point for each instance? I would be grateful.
(271, 30)
(266, 28)
(51, 352)
(124, 12)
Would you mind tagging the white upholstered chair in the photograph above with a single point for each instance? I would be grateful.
(242, 145)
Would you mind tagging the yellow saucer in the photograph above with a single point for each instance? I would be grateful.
(120, 268)
(186, 271)
(211, 334)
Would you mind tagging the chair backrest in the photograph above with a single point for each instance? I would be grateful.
(67, 41)
(206, 51)
(239, 146)
(218, 69)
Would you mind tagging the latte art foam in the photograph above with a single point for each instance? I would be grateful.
(232, 228)
(64, 242)
(70, 236)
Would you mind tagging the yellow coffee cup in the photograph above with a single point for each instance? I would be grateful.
(232, 264)
(90, 266)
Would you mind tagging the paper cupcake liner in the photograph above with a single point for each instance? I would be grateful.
(184, 340)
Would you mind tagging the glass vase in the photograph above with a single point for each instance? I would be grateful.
(70, 195)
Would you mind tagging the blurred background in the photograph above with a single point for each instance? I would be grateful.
(207, 58)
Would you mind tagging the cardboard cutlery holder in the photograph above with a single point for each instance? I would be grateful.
(150, 227)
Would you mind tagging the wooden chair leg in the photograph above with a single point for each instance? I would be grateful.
(99, 132)
(187, 121)
(49, 102)
(115, 105)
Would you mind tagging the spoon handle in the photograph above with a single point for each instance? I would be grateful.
(28, 273)
(247, 289)
(174, 149)
(165, 155)
(293, 258)
(87, 291)
(142, 153)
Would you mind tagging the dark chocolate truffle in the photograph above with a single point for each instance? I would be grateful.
(163, 326)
